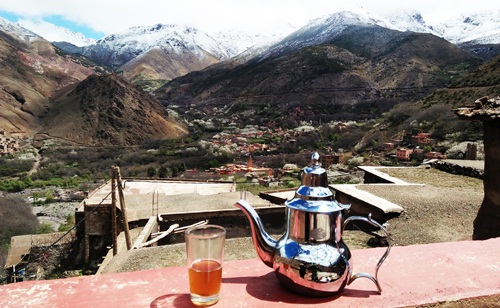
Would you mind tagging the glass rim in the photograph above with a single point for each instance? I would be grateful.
(189, 232)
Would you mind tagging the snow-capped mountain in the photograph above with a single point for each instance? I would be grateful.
(481, 28)
(236, 42)
(175, 37)
(53, 33)
(18, 31)
(181, 49)
(118, 49)
(329, 27)
(408, 20)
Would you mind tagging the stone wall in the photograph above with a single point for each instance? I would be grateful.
(458, 169)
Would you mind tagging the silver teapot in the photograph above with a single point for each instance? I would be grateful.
(311, 258)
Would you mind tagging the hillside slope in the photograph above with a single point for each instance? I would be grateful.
(33, 71)
(359, 72)
(435, 114)
(107, 110)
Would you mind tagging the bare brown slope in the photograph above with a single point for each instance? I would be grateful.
(163, 64)
(107, 110)
(31, 73)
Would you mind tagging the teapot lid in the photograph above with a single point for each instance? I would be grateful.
(316, 206)
(306, 192)
(314, 195)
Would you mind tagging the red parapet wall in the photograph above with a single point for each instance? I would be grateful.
(411, 275)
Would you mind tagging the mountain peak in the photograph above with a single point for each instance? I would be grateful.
(480, 27)
(53, 33)
(18, 31)
(173, 37)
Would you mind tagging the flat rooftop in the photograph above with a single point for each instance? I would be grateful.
(20, 245)
(146, 198)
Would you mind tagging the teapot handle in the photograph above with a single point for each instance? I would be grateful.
(362, 274)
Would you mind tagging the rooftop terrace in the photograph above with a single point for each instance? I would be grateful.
(411, 276)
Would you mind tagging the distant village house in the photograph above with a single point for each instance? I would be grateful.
(405, 154)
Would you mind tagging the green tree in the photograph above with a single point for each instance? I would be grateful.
(163, 172)
(175, 171)
(45, 227)
(17, 218)
(151, 172)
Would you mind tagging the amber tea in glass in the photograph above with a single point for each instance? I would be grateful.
(205, 254)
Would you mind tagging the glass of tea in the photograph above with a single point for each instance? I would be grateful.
(205, 254)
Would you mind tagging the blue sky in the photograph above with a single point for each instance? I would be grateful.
(75, 27)
(59, 21)
(98, 18)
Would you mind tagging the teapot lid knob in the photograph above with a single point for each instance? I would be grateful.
(314, 175)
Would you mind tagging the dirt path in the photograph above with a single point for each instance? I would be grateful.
(36, 164)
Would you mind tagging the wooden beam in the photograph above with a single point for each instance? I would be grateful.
(146, 231)
(113, 216)
(123, 207)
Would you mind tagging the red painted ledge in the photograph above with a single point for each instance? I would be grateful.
(411, 275)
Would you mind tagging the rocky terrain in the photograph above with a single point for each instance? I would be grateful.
(55, 214)
(442, 210)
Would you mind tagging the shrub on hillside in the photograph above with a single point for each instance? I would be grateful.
(10, 167)
(17, 218)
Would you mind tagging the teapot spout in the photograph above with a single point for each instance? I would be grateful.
(264, 244)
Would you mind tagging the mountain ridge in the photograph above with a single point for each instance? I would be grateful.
(347, 66)
(337, 72)
(32, 72)
(458, 29)
(46, 92)
(116, 50)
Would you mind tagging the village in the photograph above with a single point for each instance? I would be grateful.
(415, 146)
(252, 141)
(8, 144)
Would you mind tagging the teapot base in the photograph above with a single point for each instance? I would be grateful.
(313, 289)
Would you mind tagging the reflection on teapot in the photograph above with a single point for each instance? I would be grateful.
(310, 258)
